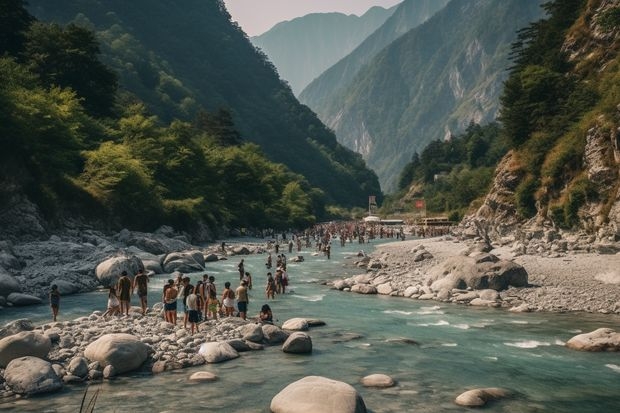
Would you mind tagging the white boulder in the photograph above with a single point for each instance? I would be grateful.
(31, 375)
(124, 352)
(318, 394)
(25, 343)
(216, 352)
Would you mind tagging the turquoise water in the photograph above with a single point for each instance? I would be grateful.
(458, 348)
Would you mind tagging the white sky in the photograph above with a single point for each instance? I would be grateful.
(257, 16)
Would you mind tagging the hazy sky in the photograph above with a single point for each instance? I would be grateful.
(258, 16)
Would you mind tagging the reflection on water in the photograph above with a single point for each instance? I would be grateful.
(434, 352)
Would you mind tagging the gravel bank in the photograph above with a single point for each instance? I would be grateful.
(572, 281)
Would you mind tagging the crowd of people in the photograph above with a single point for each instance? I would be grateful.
(201, 301)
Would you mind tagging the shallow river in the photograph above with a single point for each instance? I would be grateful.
(459, 348)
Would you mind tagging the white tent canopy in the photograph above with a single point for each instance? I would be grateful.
(372, 218)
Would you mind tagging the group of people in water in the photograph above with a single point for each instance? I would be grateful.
(201, 301)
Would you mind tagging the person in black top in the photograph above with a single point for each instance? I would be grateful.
(55, 300)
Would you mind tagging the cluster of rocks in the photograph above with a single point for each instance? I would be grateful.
(41, 359)
(84, 260)
(474, 277)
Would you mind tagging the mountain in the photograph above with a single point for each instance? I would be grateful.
(181, 59)
(429, 83)
(408, 14)
(302, 48)
(560, 113)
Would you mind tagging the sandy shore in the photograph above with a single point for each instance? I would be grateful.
(587, 282)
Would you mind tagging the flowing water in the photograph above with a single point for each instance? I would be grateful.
(459, 348)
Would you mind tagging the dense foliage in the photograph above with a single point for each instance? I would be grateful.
(128, 167)
(179, 59)
(548, 105)
(451, 174)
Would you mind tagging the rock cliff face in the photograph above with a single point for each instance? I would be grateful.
(589, 44)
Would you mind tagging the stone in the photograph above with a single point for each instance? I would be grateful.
(109, 371)
(15, 327)
(8, 283)
(480, 397)
(108, 271)
(31, 375)
(26, 343)
(252, 332)
(187, 261)
(385, 289)
(78, 366)
(20, 299)
(422, 256)
(313, 394)
(274, 334)
(409, 291)
(217, 352)
(203, 376)
(364, 289)
(298, 343)
(602, 339)
(378, 380)
(124, 352)
(295, 324)
(240, 345)
(461, 272)
(315, 322)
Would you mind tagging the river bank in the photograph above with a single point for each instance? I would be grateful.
(569, 281)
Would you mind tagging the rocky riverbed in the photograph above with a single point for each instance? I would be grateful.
(561, 274)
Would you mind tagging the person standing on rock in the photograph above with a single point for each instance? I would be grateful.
(242, 299)
(170, 302)
(54, 301)
(193, 312)
(186, 291)
(140, 282)
(124, 291)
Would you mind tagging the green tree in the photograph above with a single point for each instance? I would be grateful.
(14, 22)
(68, 57)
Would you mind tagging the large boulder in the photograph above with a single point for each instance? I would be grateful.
(298, 343)
(462, 272)
(8, 283)
(109, 271)
(20, 299)
(274, 334)
(26, 343)
(602, 339)
(15, 327)
(295, 324)
(480, 397)
(216, 352)
(31, 375)
(159, 243)
(318, 394)
(251, 332)
(188, 261)
(364, 289)
(122, 351)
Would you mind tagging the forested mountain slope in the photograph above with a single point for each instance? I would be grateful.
(180, 57)
(561, 114)
(302, 48)
(409, 14)
(430, 83)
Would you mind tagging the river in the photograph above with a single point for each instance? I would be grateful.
(459, 348)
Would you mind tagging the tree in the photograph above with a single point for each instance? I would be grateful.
(68, 57)
(14, 22)
(219, 125)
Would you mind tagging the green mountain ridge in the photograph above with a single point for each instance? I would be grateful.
(429, 83)
(304, 47)
(178, 59)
